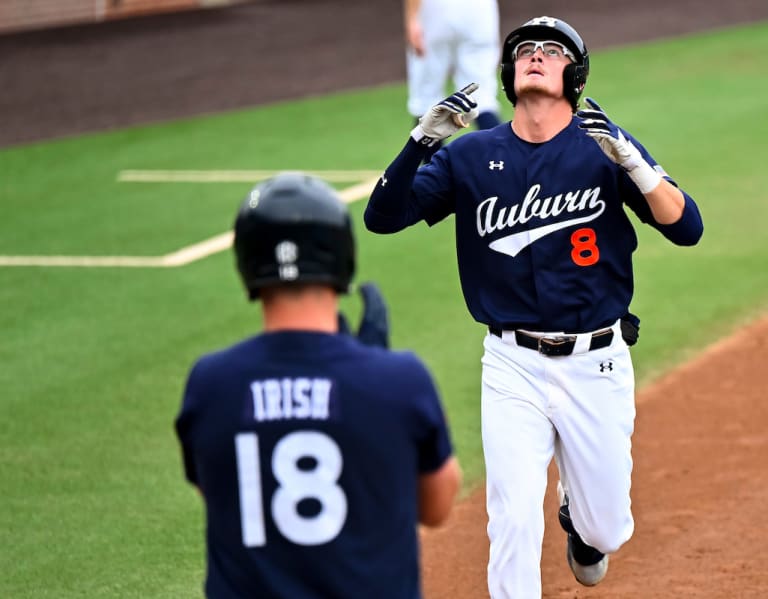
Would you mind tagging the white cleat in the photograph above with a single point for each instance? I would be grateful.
(589, 576)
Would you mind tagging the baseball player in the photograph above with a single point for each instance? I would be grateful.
(316, 454)
(544, 248)
(444, 41)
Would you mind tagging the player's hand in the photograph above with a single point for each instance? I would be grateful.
(608, 136)
(596, 124)
(374, 323)
(415, 36)
(445, 118)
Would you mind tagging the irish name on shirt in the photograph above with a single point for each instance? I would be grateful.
(291, 398)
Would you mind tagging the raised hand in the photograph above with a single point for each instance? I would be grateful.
(447, 117)
(596, 124)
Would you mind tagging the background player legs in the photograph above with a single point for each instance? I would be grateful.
(447, 41)
(427, 75)
(477, 61)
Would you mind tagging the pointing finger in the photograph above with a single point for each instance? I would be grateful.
(593, 104)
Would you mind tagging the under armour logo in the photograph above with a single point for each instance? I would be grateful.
(606, 366)
(493, 165)
(383, 181)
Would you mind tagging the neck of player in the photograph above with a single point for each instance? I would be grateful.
(301, 308)
(538, 118)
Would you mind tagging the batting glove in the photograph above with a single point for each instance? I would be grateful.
(445, 118)
(374, 323)
(618, 148)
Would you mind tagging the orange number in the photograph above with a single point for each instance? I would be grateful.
(584, 252)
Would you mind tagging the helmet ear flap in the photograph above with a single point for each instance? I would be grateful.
(508, 81)
(574, 81)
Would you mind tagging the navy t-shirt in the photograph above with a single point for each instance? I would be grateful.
(308, 448)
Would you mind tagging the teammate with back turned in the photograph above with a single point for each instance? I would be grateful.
(316, 452)
(544, 250)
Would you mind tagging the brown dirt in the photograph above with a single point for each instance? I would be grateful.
(700, 445)
(699, 494)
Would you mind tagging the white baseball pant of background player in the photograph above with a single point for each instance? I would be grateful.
(534, 408)
(461, 39)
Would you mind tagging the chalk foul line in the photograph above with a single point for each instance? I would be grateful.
(190, 253)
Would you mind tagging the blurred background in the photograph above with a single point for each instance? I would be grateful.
(68, 66)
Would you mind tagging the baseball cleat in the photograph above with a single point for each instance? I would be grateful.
(590, 575)
(592, 565)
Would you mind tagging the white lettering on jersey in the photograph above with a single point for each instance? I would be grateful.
(285, 399)
(490, 219)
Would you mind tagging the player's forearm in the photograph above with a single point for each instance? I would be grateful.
(389, 209)
(437, 492)
(411, 10)
(666, 202)
(688, 228)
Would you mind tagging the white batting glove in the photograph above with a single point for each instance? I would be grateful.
(445, 118)
(618, 148)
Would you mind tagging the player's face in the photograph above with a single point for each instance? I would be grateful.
(539, 67)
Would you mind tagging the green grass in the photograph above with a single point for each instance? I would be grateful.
(698, 104)
(93, 360)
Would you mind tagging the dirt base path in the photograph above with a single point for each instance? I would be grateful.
(699, 494)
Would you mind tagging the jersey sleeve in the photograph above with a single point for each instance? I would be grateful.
(406, 193)
(187, 418)
(433, 188)
(431, 431)
(687, 230)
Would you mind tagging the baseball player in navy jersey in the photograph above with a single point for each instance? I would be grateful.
(544, 248)
(316, 453)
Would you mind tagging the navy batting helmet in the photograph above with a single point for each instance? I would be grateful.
(543, 29)
(293, 229)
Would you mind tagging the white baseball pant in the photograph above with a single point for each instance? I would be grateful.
(579, 409)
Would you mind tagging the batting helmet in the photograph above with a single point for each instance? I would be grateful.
(543, 29)
(294, 228)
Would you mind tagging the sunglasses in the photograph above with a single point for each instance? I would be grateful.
(549, 49)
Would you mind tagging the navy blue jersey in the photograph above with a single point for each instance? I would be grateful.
(307, 448)
(543, 240)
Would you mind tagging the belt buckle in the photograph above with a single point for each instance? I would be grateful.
(561, 345)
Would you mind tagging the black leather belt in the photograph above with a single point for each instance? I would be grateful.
(557, 345)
